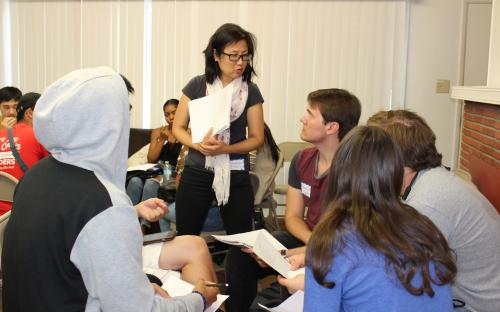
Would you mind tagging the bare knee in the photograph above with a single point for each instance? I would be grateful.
(195, 246)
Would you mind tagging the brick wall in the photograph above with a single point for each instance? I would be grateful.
(480, 148)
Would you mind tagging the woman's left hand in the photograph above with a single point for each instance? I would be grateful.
(297, 261)
(210, 146)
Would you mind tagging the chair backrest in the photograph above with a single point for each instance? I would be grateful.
(279, 164)
(4, 219)
(7, 186)
(289, 149)
(138, 138)
(260, 196)
(254, 180)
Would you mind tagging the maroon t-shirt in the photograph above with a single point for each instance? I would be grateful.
(303, 176)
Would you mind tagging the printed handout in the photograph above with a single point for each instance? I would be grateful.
(210, 112)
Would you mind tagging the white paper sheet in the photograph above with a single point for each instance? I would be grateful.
(177, 287)
(143, 167)
(211, 111)
(248, 239)
(294, 303)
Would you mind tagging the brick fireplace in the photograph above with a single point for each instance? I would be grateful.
(480, 148)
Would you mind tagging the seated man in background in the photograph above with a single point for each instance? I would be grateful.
(464, 216)
(29, 151)
(73, 241)
(330, 115)
(9, 97)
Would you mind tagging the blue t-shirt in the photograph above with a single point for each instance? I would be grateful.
(362, 283)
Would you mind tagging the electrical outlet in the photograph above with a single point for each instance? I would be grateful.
(442, 86)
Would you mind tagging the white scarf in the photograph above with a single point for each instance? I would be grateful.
(220, 164)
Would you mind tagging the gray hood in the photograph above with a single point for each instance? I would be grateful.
(82, 119)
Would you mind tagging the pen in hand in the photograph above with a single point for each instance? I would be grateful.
(210, 284)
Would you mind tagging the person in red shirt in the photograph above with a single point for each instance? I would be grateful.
(29, 149)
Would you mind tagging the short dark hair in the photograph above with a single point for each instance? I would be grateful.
(415, 138)
(174, 102)
(224, 35)
(128, 84)
(28, 100)
(10, 93)
(337, 105)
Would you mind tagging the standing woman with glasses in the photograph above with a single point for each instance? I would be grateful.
(218, 166)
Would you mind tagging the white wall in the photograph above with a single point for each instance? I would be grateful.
(303, 45)
(477, 42)
(433, 54)
(494, 51)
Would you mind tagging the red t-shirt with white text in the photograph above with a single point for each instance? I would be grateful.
(29, 149)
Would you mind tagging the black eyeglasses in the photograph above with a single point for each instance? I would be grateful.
(236, 57)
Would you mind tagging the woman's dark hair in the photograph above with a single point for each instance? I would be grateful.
(269, 141)
(174, 102)
(365, 181)
(224, 35)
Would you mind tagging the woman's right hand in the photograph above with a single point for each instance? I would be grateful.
(210, 293)
(164, 133)
(292, 284)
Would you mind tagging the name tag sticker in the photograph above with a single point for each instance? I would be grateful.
(306, 189)
(237, 164)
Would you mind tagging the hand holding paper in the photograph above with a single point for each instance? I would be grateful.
(248, 239)
(210, 145)
(265, 250)
(265, 246)
(177, 287)
(297, 261)
(293, 284)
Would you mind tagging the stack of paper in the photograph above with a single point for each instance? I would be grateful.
(210, 112)
(143, 167)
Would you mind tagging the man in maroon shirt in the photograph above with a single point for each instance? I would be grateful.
(329, 115)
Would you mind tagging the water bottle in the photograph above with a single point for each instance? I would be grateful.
(167, 171)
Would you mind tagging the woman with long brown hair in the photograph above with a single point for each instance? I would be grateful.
(370, 251)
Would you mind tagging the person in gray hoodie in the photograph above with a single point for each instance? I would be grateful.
(73, 242)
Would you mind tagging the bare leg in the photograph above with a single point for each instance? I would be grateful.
(190, 255)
